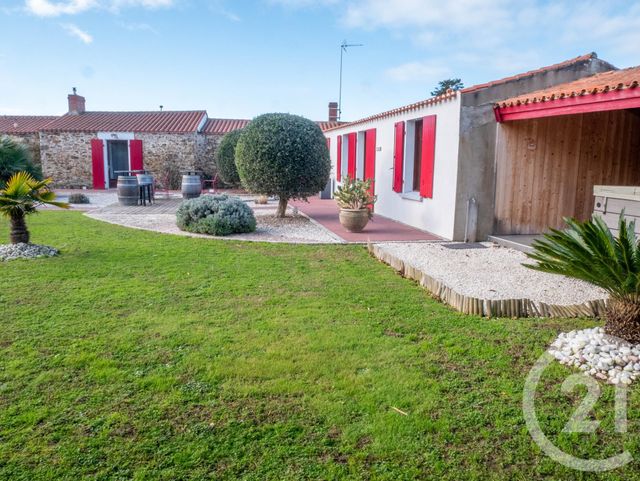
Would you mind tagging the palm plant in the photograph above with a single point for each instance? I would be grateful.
(20, 197)
(589, 251)
(14, 157)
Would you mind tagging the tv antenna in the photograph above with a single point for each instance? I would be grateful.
(343, 49)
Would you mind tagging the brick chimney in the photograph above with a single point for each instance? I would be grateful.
(333, 111)
(76, 103)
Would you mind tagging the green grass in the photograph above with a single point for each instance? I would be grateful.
(136, 355)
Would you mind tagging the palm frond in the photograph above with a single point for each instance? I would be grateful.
(588, 251)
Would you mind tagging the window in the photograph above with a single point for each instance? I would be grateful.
(414, 157)
(417, 155)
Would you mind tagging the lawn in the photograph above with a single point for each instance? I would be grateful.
(143, 356)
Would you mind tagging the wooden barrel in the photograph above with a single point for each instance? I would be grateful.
(191, 186)
(128, 190)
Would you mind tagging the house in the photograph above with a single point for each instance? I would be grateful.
(433, 162)
(86, 148)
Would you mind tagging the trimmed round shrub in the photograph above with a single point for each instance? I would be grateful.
(216, 215)
(78, 199)
(226, 158)
(284, 155)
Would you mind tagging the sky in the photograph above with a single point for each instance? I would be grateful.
(238, 59)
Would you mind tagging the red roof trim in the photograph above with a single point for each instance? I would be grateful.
(599, 102)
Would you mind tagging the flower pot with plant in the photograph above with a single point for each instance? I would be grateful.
(356, 201)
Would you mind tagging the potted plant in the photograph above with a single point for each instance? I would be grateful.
(356, 203)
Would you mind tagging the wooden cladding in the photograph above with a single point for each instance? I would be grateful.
(546, 168)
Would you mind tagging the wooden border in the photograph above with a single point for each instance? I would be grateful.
(488, 307)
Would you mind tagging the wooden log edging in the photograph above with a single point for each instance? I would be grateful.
(487, 307)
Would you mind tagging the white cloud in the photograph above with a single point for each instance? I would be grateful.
(47, 8)
(54, 8)
(417, 72)
(137, 27)
(77, 32)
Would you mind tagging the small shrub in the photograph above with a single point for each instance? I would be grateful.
(226, 158)
(216, 215)
(78, 199)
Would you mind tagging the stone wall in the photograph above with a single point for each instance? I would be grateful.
(66, 157)
(31, 141)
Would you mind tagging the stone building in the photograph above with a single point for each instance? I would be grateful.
(87, 149)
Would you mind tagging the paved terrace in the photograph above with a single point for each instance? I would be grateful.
(379, 229)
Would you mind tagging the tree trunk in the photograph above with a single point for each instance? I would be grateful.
(19, 231)
(282, 207)
(623, 319)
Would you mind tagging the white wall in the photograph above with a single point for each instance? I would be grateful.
(435, 215)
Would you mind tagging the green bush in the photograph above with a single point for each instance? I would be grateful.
(226, 158)
(78, 199)
(283, 155)
(15, 157)
(216, 215)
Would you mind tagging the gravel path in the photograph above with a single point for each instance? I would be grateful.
(492, 273)
(294, 229)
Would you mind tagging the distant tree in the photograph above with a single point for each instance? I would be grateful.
(15, 157)
(444, 85)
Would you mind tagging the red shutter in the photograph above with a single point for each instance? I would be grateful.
(370, 157)
(97, 163)
(351, 165)
(398, 160)
(339, 161)
(428, 156)
(135, 154)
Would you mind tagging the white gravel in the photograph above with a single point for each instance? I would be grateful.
(605, 357)
(21, 250)
(492, 273)
(294, 228)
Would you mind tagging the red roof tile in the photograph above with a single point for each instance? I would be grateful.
(151, 122)
(530, 73)
(23, 124)
(613, 80)
(223, 126)
(400, 110)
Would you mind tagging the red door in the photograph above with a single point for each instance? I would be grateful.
(97, 163)
(370, 157)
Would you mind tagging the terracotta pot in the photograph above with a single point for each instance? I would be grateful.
(354, 220)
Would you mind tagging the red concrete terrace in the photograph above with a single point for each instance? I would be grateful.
(379, 229)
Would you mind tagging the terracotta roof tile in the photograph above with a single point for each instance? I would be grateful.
(24, 124)
(223, 126)
(613, 80)
(530, 73)
(451, 94)
(149, 122)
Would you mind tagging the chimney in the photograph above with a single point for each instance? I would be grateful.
(76, 103)
(333, 111)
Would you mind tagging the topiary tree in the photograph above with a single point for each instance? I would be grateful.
(226, 158)
(15, 157)
(284, 155)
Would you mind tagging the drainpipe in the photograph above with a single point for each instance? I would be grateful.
(471, 227)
